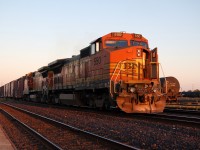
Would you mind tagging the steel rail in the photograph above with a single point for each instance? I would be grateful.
(116, 144)
(192, 120)
(182, 111)
(47, 142)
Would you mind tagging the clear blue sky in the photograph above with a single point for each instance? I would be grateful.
(34, 33)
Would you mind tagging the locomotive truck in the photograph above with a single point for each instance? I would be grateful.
(116, 70)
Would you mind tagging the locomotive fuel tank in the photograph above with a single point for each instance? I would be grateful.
(170, 86)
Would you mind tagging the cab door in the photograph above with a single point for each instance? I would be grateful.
(154, 64)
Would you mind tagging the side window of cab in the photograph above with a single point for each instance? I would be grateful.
(95, 47)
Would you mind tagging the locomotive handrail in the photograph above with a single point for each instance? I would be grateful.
(113, 76)
(116, 68)
(164, 77)
(120, 62)
(123, 61)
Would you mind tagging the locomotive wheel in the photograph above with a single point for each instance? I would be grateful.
(125, 104)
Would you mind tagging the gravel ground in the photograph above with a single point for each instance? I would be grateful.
(19, 137)
(64, 138)
(144, 134)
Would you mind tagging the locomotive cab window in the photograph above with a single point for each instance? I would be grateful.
(139, 43)
(113, 43)
(95, 47)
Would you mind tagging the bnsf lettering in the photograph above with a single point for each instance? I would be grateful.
(130, 66)
(97, 60)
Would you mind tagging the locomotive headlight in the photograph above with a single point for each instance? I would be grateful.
(132, 89)
(138, 52)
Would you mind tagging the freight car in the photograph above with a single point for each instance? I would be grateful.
(191, 94)
(1, 91)
(170, 86)
(116, 70)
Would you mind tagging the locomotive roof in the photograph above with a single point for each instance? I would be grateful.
(95, 40)
(43, 68)
(56, 66)
(57, 62)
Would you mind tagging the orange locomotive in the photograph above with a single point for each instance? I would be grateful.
(116, 70)
(132, 70)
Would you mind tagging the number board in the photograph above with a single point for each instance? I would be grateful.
(97, 61)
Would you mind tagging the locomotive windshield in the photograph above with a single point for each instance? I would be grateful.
(138, 43)
(120, 43)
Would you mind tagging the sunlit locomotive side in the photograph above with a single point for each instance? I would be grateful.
(117, 70)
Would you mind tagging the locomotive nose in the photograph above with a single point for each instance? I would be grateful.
(146, 103)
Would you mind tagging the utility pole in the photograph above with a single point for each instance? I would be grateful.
(192, 87)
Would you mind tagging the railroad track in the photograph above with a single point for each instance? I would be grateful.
(59, 135)
(175, 118)
(194, 107)
(183, 117)
(38, 141)
(182, 111)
